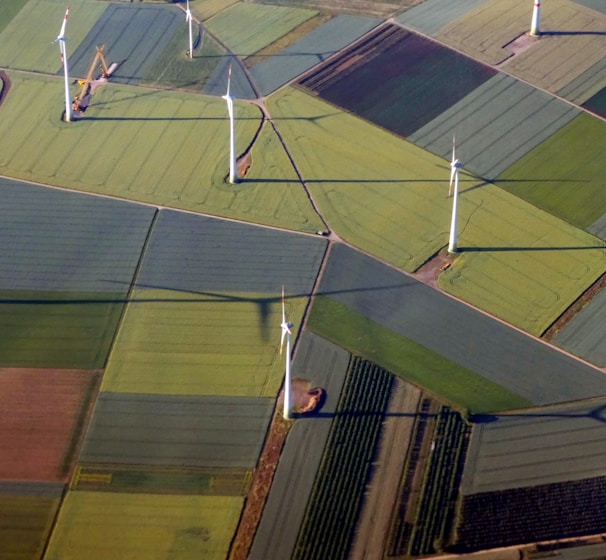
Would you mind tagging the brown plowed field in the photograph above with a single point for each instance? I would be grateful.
(42, 417)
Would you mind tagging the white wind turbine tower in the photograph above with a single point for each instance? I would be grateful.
(454, 173)
(233, 172)
(535, 27)
(188, 18)
(62, 39)
(286, 333)
(452, 167)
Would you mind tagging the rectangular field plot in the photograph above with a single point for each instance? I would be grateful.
(141, 479)
(564, 174)
(247, 28)
(392, 69)
(42, 19)
(176, 430)
(200, 344)
(536, 446)
(188, 253)
(473, 340)
(98, 526)
(43, 415)
(8, 10)
(25, 523)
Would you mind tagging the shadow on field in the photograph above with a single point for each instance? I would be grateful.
(555, 33)
(598, 413)
(366, 414)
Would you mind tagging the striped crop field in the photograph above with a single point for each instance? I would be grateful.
(42, 19)
(191, 344)
(205, 9)
(25, 523)
(157, 147)
(564, 174)
(98, 525)
(247, 28)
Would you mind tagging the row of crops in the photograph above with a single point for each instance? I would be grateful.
(426, 530)
(537, 513)
(329, 525)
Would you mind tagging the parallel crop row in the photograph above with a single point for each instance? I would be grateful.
(437, 507)
(334, 505)
(538, 513)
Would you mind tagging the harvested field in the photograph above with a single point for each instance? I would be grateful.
(36, 53)
(325, 365)
(44, 413)
(564, 174)
(534, 447)
(392, 68)
(98, 525)
(305, 53)
(489, 348)
(138, 132)
(247, 28)
(135, 35)
(176, 430)
(25, 523)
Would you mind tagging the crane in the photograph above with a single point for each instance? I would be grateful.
(82, 100)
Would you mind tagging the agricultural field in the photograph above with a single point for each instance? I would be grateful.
(65, 276)
(42, 421)
(304, 53)
(476, 342)
(8, 10)
(205, 9)
(393, 68)
(121, 147)
(247, 28)
(564, 174)
(25, 524)
(597, 103)
(42, 19)
(169, 430)
(375, 8)
(324, 365)
(98, 525)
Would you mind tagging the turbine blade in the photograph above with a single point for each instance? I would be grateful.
(228, 81)
(282, 340)
(61, 36)
(283, 310)
(453, 150)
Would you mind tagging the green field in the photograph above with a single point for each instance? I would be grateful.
(57, 330)
(380, 193)
(8, 10)
(34, 50)
(519, 263)
(98, 526)
(564, 175)
(152, 146)
(413, 362)
(204, 9)
(247, 28)
(25, 522)
(185, 344)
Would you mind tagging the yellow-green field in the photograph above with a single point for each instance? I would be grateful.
(159, 147)
(247, 28)
(519, 263)
(26, 43)
(187, 344)
(204, 9)
(98, 526)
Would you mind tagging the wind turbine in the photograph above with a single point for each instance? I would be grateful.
(535, 30)
(233, 172)
(286, 333)
(454, 173)
(62, 39)
(188, 18)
